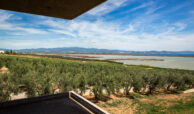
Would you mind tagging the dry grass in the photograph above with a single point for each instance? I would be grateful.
(119, 104)
(4, 70)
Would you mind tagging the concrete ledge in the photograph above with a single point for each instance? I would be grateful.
(89, 105)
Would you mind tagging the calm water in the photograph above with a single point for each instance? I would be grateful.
(169, 62)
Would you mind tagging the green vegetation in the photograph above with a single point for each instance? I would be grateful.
(40, 76)
(114, 103)
(67, 58)
(182, 108)
(10, 52)
(160, 106)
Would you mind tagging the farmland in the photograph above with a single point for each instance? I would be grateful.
(43, 75)
(163, 61)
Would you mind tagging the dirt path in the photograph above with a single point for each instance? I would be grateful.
(189, 91)
(18, 96)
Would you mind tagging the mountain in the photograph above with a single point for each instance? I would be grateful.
(94, 50)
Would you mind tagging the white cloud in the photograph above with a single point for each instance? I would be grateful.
(129, 42)
(110, 35)
(4, 16)
(107, 7)
(139, 33)
(6, 25)
(131, 28)
(177, 7)
(192, 12)
(62, 32)
(181, 26)
(153, 9)
(144, 5)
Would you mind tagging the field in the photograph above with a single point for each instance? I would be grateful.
(162, 61)
(109, 83)
(182, 103)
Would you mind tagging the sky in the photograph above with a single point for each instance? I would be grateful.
(134, 25)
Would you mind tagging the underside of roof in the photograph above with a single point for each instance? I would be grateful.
(66, 9)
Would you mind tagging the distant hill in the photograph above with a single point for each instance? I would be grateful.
(94, 50)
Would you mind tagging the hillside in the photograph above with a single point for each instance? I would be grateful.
(95, 50)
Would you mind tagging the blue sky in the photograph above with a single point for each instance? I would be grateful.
(138, 25)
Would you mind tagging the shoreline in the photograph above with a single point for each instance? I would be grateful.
(130, 54)
(67, 54)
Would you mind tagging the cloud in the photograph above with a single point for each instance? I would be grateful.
(141, 31)
(107, 7)
(192, 12)
(142, 42)
(153, 9)
(143, 5)
(178, 7)
(62, 32)
(4, 16)
(180, 26)
(17, 28)
(110, 35)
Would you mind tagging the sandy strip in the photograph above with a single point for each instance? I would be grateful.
(189, 91)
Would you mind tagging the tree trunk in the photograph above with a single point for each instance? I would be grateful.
(150, 90)
(168, 87)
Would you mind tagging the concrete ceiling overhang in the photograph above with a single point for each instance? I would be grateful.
(66, 9)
